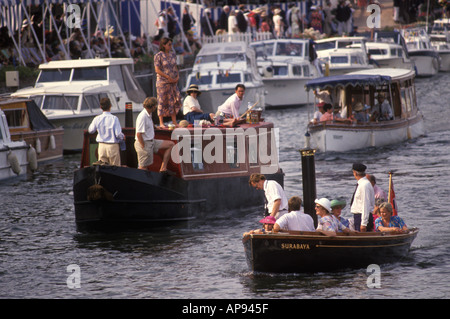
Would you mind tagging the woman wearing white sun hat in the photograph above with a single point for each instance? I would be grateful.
(327, 225)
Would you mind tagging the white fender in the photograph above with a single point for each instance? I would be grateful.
(14, 163)
(38, 145)
(52, 142)
(32, 158)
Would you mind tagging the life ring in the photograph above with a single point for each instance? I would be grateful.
(14, 163)
(32, 158)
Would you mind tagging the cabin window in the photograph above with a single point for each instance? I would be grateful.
(228, 78)
(56, 102)
(92, 101)
(306, 71)
(196, 158)
(280, 70)
(379, 51)
(324, 46)
(399, 52)
(17, 118)
(54, 75)
(297, 70)
(232, 152)
(89, 74)
(355, 60)
(247, 77)
(38, 99)
(201, 80)
(339, 59)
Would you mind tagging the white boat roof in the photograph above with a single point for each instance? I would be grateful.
(223, 48)
(85, 63)
(73, 88)
(395, 74)
(343, 39)
(382, 45)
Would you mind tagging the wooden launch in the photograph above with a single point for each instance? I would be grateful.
(110, 196)
(299, 252)
(27, 122)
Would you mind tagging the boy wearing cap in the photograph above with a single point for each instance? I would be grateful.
(363, 200)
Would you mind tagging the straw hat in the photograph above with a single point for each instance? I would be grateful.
(193, 88)
(358, 107)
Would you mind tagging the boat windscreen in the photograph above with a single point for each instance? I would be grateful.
(54, 75)
(230, 78)
(89, 74)
(201, 80)
(339, 59)
(58, 102)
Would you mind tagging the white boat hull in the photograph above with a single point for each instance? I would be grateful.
(210, 100)
(342, 138)
(395, 63)
(283, 92)
(74, 127)
(445, 61)
(19, 149)
(426, 65)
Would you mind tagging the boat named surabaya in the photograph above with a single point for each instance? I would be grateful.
(358, 92)
(210, 169)
(308, 251)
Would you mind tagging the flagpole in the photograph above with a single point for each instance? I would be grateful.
(390, 187)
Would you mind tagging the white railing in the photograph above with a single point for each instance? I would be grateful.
(245, 37)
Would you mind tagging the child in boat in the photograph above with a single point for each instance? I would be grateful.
(267, 222)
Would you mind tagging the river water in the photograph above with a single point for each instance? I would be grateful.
(205, 259)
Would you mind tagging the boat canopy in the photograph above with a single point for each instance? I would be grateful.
(347, 80)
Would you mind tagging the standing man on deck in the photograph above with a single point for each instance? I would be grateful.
(109, 134)
(276, 200)
(363, 200)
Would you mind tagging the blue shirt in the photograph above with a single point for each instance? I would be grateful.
(395, 221)
(108, 128)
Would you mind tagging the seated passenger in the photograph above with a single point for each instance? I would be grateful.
(387, 222)
(336, 210)
(328, 113)
(328, 225)
(360, 114)
(296, 219)
(318, 114)
(191, 107)
(382, 110)
(267, 222)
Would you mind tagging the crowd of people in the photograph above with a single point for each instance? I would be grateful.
(369, 208)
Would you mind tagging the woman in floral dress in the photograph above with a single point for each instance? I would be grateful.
(168, 95)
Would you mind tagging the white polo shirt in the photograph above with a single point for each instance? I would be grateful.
(144, 125)
(296, 220)
(274, 191)
(231, 106)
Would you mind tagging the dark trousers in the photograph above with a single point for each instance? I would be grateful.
(192, 116)
(357, 222)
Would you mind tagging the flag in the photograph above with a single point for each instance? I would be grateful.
(391, 196)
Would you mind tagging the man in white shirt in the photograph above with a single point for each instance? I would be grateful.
(277, 203)
(296, 219)
(232, 105)
(145, 143)
(109, 134)
(363, 200)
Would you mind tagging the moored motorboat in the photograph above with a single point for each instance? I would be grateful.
(210, 179)
(69, 93)
(440, 41)
(13, 154)
(341, 55)
(27, 123)
(285, 65)
(420, 50)
(389, 55)
(219, 67)
(397, 85)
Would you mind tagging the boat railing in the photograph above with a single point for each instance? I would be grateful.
(246, 37)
